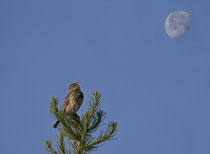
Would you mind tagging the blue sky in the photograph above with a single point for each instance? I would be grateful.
(157, 88)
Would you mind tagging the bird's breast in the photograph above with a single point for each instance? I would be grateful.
(75, 101)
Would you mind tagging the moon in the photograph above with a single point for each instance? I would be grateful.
(177, 23)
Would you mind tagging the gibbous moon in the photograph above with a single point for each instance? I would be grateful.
(177, 23)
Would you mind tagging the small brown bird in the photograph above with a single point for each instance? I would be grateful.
(73, 100)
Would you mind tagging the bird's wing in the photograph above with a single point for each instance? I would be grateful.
(65, 103)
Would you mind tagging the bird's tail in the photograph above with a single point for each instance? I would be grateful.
(56, 124)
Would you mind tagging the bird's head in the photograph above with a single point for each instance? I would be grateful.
(74, 86)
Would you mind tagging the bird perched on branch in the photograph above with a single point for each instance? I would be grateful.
(73, 100)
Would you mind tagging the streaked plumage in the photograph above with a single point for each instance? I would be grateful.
(73, 100)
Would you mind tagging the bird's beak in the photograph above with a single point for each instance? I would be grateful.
(78, 82)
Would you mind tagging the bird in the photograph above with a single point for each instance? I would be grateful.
(72, 101)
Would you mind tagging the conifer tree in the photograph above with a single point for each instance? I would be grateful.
(80, 130)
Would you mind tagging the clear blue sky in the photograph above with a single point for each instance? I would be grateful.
(155, 87)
